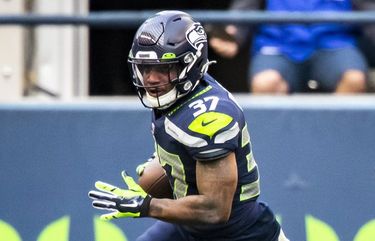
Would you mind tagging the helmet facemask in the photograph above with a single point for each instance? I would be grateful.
(172, 43)
(165, 91)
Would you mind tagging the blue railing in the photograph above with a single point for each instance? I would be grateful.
(126, 19)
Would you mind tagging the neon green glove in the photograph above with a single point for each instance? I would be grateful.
(132, 202)
(140, 168)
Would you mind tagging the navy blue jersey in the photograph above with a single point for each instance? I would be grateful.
(206, 125)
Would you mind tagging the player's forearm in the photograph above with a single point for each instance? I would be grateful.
(195, 209)
(216, 183)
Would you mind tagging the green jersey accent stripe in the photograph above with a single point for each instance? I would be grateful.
(251, 164)
(250, 190)
(201, 92)
(245, 136)
(178, 172)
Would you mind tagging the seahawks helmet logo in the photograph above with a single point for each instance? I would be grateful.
(196, 35)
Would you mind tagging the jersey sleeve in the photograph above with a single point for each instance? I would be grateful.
(213, 134)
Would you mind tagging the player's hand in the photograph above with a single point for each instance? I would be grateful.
(131, 202)
(141, 167)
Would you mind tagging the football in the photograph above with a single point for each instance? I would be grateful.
(155, 181)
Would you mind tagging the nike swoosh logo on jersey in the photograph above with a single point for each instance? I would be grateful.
(207, 123)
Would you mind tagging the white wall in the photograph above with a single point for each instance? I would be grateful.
(11, 54)
(61, 52)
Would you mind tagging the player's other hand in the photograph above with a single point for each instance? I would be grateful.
(131, 202)
(141, 167)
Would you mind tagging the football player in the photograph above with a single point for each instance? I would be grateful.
(201, 139)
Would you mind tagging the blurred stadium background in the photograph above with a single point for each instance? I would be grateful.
(65, 61)
(67, 118)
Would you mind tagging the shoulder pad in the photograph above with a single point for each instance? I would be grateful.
(209, 123)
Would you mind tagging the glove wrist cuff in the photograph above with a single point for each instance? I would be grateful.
(145, 208)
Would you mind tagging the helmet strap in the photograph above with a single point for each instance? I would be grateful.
(206, 65)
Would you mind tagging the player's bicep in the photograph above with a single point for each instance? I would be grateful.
(217, 181)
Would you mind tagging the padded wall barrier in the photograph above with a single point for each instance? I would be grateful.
(316, 161)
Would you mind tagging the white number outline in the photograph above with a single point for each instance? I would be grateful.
(201, 104)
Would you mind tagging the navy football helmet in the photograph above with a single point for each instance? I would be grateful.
(172, 41)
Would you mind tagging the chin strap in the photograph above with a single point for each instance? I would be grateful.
(163, 101)
(206, 65)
